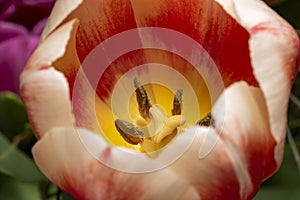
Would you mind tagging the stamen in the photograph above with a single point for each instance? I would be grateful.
(150, 148)
(153, 129)
(170, 127)
(177, 102)
(129, 132)
(206, 121)
(142, 99)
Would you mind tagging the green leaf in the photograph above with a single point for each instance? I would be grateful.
(3, 179)
(13, 115)
(17, 164)
(16, 190)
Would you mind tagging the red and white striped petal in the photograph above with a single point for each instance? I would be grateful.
(230, 159)
(59, 13)
(207, 23)
(274, 51)
(58, 51)
(45, 93)
(232, 169)
(246, 133)
(71, 167)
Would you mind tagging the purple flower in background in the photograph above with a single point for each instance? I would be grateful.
(9, 7)
(21, 24)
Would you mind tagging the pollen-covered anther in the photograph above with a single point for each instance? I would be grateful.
(142, 99)
(153, 129)
(170, 127)
(129, 132)
(206, 121)
(177, 102)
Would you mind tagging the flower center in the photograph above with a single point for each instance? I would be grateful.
(154, 128)
(150, 105)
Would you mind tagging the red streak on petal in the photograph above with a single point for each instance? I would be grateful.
(97, 181)
(30, 112)
(259, 157)
(119, 67)
(108, 18)
(105, 154)
(287, 32)
(207, 23)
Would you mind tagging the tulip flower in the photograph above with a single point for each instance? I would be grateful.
(18, 44)
(8, 8)
(20, 27)
(160, 99)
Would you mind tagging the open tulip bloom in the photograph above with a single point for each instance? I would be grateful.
(160, 99)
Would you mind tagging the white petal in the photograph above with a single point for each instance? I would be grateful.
(59, 13)
(63, 158)
(55, 47)
(46, 96)
(274, 48)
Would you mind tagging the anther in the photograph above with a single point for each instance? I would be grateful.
(129, 132)
(177, 102)
(142, 99)
(206, 121)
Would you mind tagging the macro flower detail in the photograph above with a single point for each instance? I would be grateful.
(160, 100)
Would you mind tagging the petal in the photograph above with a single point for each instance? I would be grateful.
(45, 93)
(214, 176)
(231, 160)
(10, 30)
(58, 51)
(59, 12)
(17, 51)
(97, 25)
(7, 8)
(72, 168)
(39, 27)
(54, 85)
(208, 24)
(88, 109)
(245, 130)
(234, 161)
(28, 14)
(42, 3)
(274, 48)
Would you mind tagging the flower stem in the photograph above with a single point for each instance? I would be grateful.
(293, 147)
(295, 100)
